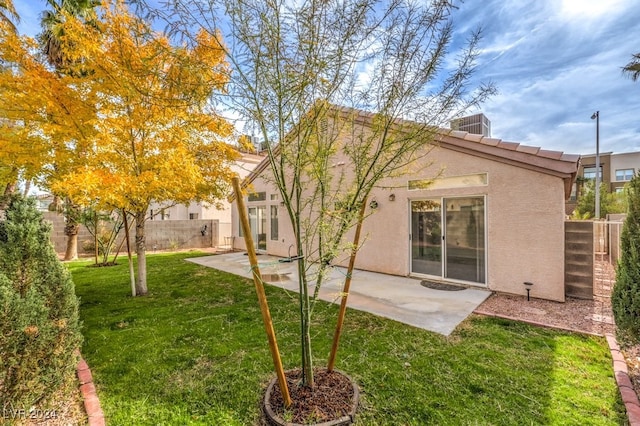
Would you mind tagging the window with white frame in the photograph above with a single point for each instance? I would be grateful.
(623, 175)
(590, 172)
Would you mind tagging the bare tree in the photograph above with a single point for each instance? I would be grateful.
(365, 80)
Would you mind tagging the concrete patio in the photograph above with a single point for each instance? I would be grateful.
(399, 298)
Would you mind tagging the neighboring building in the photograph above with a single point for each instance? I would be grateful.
(194, 211)
(477, 124)
(616, 169)
(494, 218)
(43, 201)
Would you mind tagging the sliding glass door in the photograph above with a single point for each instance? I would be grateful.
(426, 241)
(464, 239)
(448, 238)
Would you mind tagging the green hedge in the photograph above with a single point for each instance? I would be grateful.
(625, 298)
(38, 310)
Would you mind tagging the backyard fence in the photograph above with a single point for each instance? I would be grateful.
(588, 243)
(578, 259)
(607, 234)
(160, 234)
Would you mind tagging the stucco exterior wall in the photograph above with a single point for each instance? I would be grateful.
(524, 223)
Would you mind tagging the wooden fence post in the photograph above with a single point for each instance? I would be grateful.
(262, 298)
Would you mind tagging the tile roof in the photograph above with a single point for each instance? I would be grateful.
(534, 158)
(555, 162)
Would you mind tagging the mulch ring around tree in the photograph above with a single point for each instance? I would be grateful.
(334, 399)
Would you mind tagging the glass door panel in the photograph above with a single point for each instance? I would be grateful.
(258, 225)
(253, 223)
(426, 237)
(262, 228)
(464, 239)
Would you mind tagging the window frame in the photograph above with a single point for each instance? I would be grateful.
(591, 170)
(624, 177)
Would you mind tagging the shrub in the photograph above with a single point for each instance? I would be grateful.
(625, 298)
(38, 310)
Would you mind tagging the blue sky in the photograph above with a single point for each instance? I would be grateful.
(554, 62)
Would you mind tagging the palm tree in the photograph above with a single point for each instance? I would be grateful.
(52, 22)
(8, 13)
(633, 67)
(51, 40)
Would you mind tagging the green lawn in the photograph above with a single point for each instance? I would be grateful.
(194, 352)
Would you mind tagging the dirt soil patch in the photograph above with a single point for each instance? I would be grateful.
(331, 398)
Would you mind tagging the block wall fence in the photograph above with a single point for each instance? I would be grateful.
(161, 234)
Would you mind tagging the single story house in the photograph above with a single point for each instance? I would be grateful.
(494, 216)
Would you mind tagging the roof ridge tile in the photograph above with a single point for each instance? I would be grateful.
(511, 146)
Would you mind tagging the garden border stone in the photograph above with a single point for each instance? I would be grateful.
(90, 398)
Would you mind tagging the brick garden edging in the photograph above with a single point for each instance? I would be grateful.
(89, 395)
(628, 394)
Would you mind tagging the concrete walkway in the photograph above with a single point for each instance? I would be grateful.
(398, 298)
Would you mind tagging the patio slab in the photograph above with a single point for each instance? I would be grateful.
(399, 298)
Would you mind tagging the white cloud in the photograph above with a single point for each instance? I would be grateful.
(590, 9)
(554, 64)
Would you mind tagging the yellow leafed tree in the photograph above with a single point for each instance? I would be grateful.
(46, 119)
(157, 136)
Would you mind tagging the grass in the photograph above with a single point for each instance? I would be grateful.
(194, 352)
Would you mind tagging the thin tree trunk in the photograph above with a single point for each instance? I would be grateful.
(347, 285)
(115, 257)
(131, 273)
(141, 284)
(305, 316)
(95, 236)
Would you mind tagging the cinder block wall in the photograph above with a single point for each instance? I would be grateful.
(578, 257)
(179, 234)
(160, 234)
(58, 238)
